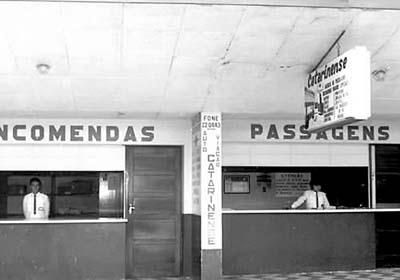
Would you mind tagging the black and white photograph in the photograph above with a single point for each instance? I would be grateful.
(199, 140)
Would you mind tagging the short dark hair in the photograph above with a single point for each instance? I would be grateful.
(315, 182)
(35, 179)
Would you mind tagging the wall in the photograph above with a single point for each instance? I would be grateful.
(191, 225)
(295, 154)
(263, 142)
(62, 251)
(56, 157)
(297, 242)
(28, 138)
(192, 221)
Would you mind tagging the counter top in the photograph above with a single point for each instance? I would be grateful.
(66, 221)
(306, 211)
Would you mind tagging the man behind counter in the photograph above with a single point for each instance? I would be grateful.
(314, 198)
(36, 205)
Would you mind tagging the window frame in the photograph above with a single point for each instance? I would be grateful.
(359, 199)
(53, 193)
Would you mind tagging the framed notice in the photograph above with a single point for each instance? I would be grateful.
(291, 184)
(236, 184)
(339, 92)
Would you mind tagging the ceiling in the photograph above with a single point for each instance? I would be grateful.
(172, 60)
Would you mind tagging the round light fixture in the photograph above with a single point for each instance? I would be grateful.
(43, 68)
(379, 74)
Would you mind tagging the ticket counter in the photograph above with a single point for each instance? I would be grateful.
(295, 241)
(63, 249)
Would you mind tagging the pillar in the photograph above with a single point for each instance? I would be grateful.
(210, 182)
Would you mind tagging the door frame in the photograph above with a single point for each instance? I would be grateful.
(179, 202)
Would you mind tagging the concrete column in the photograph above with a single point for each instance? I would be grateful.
(210, 195)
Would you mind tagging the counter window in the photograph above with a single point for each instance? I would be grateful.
(278, 187)
(71, 194)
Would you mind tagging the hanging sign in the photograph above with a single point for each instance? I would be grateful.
(339, 92)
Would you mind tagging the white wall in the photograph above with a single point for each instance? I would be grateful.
(62, 157)
(284, 143)
(103, 155)
(294, 154)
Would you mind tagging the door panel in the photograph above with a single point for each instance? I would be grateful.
(153, 230)
(155, 205)
(162, 183)
(162, 230)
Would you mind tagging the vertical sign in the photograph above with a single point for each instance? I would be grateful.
(339, 92)
(211, 196)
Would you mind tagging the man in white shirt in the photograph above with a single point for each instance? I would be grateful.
(36, 205)
(314, 198)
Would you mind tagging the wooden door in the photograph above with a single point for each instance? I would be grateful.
(153, 229)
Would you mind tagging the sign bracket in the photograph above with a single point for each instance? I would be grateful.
(329, 50)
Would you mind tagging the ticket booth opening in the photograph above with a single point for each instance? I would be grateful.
(274, 188)
(72, 194)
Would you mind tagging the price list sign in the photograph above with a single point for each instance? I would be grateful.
(339, 92)
(291, 184)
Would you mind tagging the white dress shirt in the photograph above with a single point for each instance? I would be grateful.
(310, 197)
(36, 206)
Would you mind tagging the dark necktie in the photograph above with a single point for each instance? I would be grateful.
(316, 195)
(34, 204)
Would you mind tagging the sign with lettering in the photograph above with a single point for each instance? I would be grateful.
(292, 131)
(291, 184)
(211, 194)
(94, 131)
(75, 133)
(339, 92)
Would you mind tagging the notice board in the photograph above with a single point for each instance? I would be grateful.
(290, 184)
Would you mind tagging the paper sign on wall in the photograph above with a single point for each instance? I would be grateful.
(291, 184)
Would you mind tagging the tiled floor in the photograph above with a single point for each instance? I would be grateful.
(379, 274)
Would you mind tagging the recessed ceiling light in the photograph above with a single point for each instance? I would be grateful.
(379, 74)
(43, 68)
